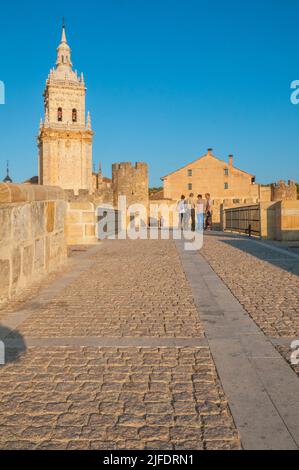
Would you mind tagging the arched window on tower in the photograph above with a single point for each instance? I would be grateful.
(62, 59)
(59, 114)
(74, 115)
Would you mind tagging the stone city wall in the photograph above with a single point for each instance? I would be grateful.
(80, 223)
(32, 240)
(284, 191)
(279, 220)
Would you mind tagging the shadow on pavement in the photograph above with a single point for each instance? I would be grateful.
(12, 345)
(278, 259)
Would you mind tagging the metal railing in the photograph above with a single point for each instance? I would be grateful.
(243, 219)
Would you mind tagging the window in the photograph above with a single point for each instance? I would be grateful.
(74, 115)
(225, 171)
(225, 185)
(189, 186)
(189, 172)
(59, 114)
(236, 201)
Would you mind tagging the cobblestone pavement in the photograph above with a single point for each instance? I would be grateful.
(151, 393)
(265, 282)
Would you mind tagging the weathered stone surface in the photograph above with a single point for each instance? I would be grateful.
(50, 216)
(39, 254)
(4, 278)
(16, 265)
(137, 396)
(37, 218)
(5, 224)
(21, 222)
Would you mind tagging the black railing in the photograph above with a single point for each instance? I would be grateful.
(243, 219)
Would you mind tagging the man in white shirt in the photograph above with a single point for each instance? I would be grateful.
(181, 207)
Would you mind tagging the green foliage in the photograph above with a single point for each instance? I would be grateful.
(155, 189)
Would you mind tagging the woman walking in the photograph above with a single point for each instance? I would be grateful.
(200, 213)
(208, 211)
(191, 203)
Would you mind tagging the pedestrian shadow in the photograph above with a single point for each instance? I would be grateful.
(276, 258)
(12, 345)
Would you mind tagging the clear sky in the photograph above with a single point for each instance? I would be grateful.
(166, 80)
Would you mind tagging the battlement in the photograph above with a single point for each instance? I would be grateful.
(130, 181)
(282, 191)
(128, 166)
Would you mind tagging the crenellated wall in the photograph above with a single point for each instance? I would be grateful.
(281, 191)
(130, 181)
(32, 239)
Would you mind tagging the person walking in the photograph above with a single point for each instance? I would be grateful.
(208, 212)
(191, 205)
(200, 213)
(181, 207)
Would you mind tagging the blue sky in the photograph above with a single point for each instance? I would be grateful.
(166, 80)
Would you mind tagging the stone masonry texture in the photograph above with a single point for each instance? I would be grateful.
(264, 281)
(147, 394)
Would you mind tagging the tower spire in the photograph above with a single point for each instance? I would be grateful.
(63, 35)
(7, 178)
(88, 124)
(64, 53)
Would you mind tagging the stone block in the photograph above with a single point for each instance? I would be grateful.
(5, 223)
(39, 255)
(21, 222)
(88, 217)
(4, 193)
(18, 193)
(27, 261)
(40, 192)
(90, 230)
(37, 218)
(4, 278)
(56, 246)
(74, 231)
(50, 216)
(74, 217)
(60, 214)
(16, 265)
(83, 205)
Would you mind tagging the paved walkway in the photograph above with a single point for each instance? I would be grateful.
(264, 279)
(114, 356)
(141, 345)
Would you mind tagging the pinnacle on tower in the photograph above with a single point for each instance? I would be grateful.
(64, 53)
(63, 35)
(88, 124)
(7, 178)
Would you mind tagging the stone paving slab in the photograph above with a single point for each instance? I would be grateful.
(109, 398)
(118, 359)
(264, 279)
(247, 364)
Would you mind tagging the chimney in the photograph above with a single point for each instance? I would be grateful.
(230, 160)
(210, 151)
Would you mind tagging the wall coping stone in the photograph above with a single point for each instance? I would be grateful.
(14, 193)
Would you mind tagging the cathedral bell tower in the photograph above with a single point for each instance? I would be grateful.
(65, 136)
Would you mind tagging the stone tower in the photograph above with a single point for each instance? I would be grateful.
(130, 181)
(65, 137)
